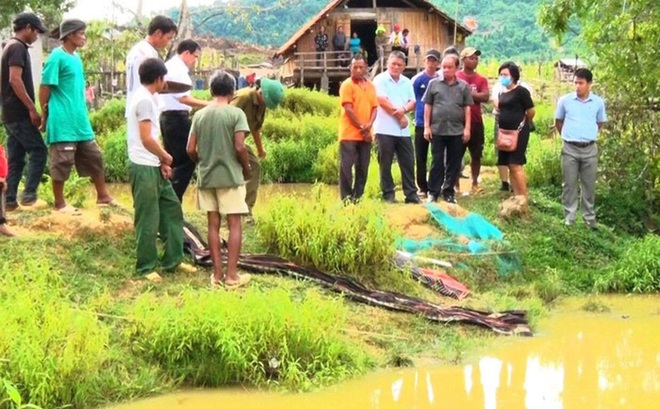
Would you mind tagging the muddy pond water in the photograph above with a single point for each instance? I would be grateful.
(577, 359)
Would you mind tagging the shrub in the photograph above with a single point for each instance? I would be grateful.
(638, 270)
(326, 166)
(544, 165)
(204, 339)
(289, 161)
(110, 117)
(54, 352)
(115, 155)
(351, 240)
(303, 101)
(544, 120)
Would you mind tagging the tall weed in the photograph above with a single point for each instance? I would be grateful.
(351, 240)
(303, 101)
(637, 271)
(256, 337)
(110, 117)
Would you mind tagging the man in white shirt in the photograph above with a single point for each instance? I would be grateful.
(150, 170)
(396, 98)
(175, 115)
(160, 32)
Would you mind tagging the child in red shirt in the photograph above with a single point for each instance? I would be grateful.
(3, 188)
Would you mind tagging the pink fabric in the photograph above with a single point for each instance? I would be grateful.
(3, 163)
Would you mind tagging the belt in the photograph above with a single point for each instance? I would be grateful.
(580, 144)
(179, 112)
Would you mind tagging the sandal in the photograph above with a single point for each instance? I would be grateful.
(73, 211)
(216, 283)
(111, 203)
(243, 279)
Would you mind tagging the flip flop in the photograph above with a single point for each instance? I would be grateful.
(112, 203)
(216, 283)
(73, 211)
(243, 279)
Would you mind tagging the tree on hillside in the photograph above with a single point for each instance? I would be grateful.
(622, 36)
(51, 10)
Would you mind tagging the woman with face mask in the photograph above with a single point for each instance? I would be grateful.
(515, 107)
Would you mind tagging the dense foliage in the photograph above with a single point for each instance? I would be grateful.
(506, 29)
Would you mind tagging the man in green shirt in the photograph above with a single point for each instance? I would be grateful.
(253, 101)
(217, 144)
(68, 130)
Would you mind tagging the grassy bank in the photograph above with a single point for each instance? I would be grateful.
(80, 329)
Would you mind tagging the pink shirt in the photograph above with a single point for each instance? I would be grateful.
(479, 84)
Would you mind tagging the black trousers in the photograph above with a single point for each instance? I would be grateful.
(175, 127)
(421, 157)
(358, 154)
(388, 146)
(447, 152)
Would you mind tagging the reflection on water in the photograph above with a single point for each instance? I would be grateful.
(122, 193)
(578, 360)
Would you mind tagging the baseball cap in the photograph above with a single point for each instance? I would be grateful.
(434, 54)
(24, 19)
(469, 52)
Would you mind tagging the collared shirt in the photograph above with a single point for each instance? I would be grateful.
(177, 71)
(248, 100)
(398, 93)
(140, 52)
(448, 103)
(362, 96)
(581, 117)
(420, 83)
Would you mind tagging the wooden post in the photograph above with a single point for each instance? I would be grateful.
(324, 77)
(302, 70)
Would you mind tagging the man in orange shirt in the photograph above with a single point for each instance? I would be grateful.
(359, 106)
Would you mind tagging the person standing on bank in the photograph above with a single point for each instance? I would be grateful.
(157, 209)
(516, 111)
(447, 125)
(479, 89)
(65, 119)
(19, 113)
(359, 105)
(160, 33)
(175, 115)
(267, 93)
(396, 98)
(339, 39)
(578, 118)
(420, 85)
(217, 143)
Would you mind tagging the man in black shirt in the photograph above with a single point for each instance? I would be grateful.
(321, 42)
(19, 113)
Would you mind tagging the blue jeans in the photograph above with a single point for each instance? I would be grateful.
(23, 139)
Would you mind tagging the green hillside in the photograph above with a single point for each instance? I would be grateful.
(505, 29)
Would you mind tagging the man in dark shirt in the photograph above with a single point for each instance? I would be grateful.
(447, 124)
(19, 113)
(339, 44)
(321, 42)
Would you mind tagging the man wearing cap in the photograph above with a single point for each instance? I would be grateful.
(396, 98)
(479, 89)
(267, 93)
(175, 116)
(19, 113)
(160, 32)
(68, 130)
(420, 83)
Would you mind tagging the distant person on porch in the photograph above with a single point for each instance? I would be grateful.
(321, 42)
(355, 45)
(396, 39)
(339, 40)
(406, 42)
(358, 112)
(381, 41)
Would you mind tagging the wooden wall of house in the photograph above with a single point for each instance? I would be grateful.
(426, 30)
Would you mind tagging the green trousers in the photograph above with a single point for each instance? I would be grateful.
(252, 185)
(157, 210)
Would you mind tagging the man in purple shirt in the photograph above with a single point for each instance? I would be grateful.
(420, 83)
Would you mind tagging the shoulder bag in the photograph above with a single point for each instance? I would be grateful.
(507, 139)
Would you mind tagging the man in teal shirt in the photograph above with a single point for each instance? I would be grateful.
(68, 130)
